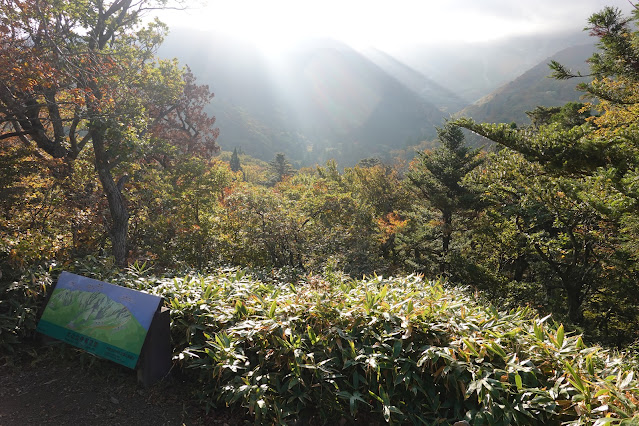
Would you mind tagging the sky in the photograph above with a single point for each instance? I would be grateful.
(273, 25)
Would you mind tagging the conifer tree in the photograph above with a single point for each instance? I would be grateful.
(280, 168)
(235, 162)
(578, 210)
(437, 175)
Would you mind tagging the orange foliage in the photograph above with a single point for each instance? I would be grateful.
(390, 225)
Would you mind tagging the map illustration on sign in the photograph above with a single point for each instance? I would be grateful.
(102, 318)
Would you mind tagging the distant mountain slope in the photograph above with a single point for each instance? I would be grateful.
(510, 102)
(473, 70)
(446, 100)
(323, 100)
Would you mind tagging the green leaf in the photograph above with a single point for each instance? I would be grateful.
(518, 381)
(271, 311)
(354, 399)
(560, 336)
(497, 349)
(311, 334)
(539, 332)
(471, 347)
(605, 421)
(574, 378)
(397, 348)
(371, 393)
(590, 365)
(624, 384)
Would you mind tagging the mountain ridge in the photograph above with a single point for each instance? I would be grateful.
(325, 100)
(510, 102)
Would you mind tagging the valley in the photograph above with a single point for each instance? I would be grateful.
(323, 100)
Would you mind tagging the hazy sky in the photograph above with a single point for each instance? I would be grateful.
(274, 24)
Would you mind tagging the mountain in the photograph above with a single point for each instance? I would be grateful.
(445, 99)
(533, 88)
(321, 100)
(474, 70)
(324, 100)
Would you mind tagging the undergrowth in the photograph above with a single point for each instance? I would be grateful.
(400, 350)
(410, 350)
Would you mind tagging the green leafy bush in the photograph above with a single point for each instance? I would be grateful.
(402, 349)
(20, 302)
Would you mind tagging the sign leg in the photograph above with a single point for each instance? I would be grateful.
(155, 357)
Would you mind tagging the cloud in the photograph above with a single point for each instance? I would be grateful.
(399, 22)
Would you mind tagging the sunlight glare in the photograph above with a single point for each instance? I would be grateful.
(275, 26)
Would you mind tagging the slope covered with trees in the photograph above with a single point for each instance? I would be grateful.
(476, 69)
(323, 99)
(510, 102)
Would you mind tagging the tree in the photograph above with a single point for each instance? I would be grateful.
(436, 177)
(340, 225)
(235, 161)
(83, 75)
(568, 242)
(369, 162)
(175, 211)
(379, 186)
(280, 168)
(577, 210)
(261, 227)
(570, 115)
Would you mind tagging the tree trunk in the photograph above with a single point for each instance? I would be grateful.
(119, 226)
(447, 218)
(573, 294)
(521, 264)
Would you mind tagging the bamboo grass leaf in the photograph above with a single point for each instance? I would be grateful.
(518, 381)
(560, 336)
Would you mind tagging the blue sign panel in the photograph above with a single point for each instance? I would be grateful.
(105, 319)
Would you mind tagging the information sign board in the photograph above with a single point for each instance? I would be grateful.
(105, 319)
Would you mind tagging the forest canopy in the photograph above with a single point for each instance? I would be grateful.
(107, 149)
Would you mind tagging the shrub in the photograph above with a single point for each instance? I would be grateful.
(20, 302)
(408, 350)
